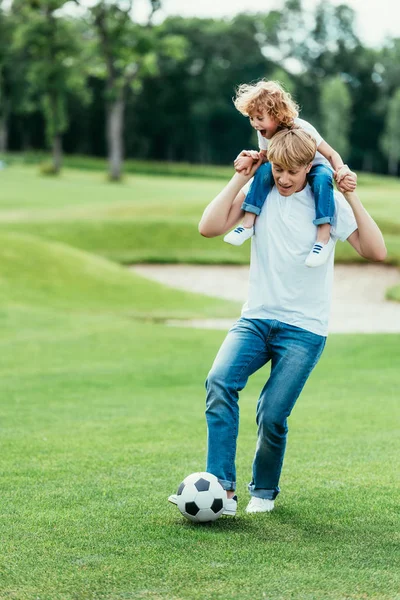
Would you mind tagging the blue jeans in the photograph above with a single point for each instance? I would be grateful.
(321, 183)
(249, 345)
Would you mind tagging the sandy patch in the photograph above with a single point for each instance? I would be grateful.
(358, 302)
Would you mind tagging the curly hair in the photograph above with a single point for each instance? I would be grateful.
(266, 96)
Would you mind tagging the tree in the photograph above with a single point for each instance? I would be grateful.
(391, 139)
(6, 34)
(196, 119)
(127, 52)
(172, 84)
(387, 67)
(336, 114)
(52, 48)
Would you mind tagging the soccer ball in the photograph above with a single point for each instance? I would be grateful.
(201, 497)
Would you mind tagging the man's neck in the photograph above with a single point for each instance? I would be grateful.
(302, 187)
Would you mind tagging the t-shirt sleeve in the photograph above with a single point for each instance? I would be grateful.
(262, 142)
(344, 223)
(310, 129)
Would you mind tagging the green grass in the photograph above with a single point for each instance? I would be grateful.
(102, 415)
(53, 276)
(139, 167)
(149, 219)
(394, 293)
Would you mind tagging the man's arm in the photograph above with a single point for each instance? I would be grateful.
(225, 211)
(367, 239)
(246, 159)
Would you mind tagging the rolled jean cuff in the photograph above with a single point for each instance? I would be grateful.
(251, 208)
(265, 494)
(323, 220)
(227, 485)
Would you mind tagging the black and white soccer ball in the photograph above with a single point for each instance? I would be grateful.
(201, 498)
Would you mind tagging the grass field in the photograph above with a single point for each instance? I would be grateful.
(102, 415)
(152, 219)
(149, 219)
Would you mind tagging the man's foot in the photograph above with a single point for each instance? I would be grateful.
(320, 253)
(257, 505)
(231, 506)
(237, 236)
(173, 498)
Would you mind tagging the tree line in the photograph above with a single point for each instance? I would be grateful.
(87, 79)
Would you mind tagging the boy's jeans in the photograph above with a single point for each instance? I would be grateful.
(321, 183)
(249, 345)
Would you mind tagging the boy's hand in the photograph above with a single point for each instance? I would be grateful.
(343, 172)
(346, 180)
(245, 160)
(347, 184)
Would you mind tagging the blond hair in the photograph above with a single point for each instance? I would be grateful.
(266, 96)
(291, 148)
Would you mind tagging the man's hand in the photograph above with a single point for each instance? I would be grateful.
(245, 161)
(346, 180)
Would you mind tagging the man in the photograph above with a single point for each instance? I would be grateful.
(285, 319)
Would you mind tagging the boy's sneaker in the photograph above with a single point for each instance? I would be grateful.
(257, 505)
(320, 253)
(237, 236)
(230, 507)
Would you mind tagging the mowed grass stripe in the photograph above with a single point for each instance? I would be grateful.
(150, 219)
(48, 275)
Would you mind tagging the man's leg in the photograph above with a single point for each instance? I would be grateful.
(242, 353)
(295, 352)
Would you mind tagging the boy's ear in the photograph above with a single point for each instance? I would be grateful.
(309, 167)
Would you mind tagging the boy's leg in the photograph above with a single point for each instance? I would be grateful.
(259, 190)
(295, 352)
(320, 179)
(242, 353)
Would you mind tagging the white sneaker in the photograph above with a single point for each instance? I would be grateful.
(237, 236)
(231, 506)
(320, 253)
(257, 505)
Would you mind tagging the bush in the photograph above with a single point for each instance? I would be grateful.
(48, 169)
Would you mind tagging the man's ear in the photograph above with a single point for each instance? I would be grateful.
(309, 167)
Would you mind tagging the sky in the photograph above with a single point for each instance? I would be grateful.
(376, 19)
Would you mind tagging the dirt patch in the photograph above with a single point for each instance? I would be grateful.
(358, 301)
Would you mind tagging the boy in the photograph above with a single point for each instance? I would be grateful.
(271, 109)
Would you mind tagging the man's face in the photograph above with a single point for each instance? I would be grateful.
(265, 124)
(289, 181)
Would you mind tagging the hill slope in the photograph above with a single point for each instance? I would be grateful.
(49, 275)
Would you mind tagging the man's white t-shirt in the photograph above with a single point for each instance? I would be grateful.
(281, 286)
(319, 159)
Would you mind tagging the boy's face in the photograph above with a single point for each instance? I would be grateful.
(289, 181)
(265, 124)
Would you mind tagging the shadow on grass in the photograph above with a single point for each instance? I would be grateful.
(289, 525)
